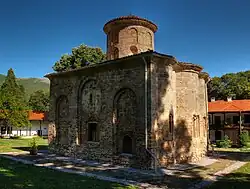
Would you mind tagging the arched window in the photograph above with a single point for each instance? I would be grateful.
(171, 123)
(62, 112)
(127, 145)
(116, 53)
(149, 38)
(93, 132)
(134, 35)
(89, 96)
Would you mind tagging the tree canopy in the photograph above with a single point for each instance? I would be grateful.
(80, 57)
(236, 85)
(13, 107)
(39, 101)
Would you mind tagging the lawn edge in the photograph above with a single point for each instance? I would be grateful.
(91, 175)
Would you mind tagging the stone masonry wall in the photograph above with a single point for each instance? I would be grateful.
(190, 134)
(163, 105)
(128, 41)
(117, 105)
(109, 81)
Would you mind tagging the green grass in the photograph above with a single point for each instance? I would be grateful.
(239, 179)
(243, 149)
(14, 175)
(15, 145)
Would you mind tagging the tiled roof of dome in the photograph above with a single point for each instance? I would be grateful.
(130, 18)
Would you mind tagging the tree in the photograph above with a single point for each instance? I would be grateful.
(12, 102)
(80, 57)
(236, 85)
(39, 101)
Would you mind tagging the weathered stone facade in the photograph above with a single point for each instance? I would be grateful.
(131, 109)
(128, 36)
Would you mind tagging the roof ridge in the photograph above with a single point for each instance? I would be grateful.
(232, 105)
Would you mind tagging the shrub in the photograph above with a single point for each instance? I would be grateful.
(244, 139)
(33, 144)
(248, 144)
(226, 143)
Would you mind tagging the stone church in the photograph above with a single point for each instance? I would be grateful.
(139, 108)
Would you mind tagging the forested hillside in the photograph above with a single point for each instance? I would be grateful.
(30, 84)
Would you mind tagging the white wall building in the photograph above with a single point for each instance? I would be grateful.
(39, 126)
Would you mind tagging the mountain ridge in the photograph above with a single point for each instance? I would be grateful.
(31, 84)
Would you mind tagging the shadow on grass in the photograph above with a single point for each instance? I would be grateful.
(233, 181)
(236, 156)
(26, 148)
(17, 175)
(177, 179)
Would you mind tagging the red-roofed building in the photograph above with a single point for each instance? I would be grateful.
(229, 118)
(39, 126)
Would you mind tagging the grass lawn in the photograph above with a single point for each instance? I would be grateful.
(14, 175)
(239, 179)
(243, 149)
(11, 145)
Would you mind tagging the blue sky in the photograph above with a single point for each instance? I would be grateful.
(212, 33)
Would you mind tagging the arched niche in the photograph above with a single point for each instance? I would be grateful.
(125, 106)
(116, 53)
(62, 112)
(90, 97)
(134, 34)
(88, 107)
(148, 38)
(127, 145)
(125, 116)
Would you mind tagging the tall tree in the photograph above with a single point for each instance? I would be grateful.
(12, 102)
(236, 85)
(39, 101)
(80, 57)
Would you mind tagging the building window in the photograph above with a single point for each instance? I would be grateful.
(217, 135)
(91, 99)
(247, 118)
(3, 130)
(134, 49)
(217, 120)
(229, 121)
(93, 132)
(127, 145)
(236, 119)
(171, 123)
(198, 125)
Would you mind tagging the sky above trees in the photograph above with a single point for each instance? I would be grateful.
(214, 34)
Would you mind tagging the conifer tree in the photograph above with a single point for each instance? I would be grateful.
(13, 107)
(39, 101)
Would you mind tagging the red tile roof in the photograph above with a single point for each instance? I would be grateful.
(229, 106)
(36, 116)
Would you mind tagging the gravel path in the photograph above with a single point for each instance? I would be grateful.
(105, 178)
(210, 180)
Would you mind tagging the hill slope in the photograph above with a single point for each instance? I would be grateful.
(30, 84)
